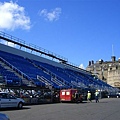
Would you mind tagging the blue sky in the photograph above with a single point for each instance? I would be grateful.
(79, 30)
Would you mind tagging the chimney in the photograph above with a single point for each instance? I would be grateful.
(92, 62)
(89, 63)
(113, 58)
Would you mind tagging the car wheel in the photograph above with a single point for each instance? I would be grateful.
(20, 105)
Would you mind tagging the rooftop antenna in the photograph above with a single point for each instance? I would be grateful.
(112, 51)
(113, 57)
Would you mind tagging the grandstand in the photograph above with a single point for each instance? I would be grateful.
(23, 65)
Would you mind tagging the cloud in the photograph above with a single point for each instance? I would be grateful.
(12, 16)
(53, 15)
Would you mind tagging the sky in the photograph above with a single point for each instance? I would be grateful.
(79, 30)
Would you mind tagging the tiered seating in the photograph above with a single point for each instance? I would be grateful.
(9, 77)
(57, 72)
(89, 80)
(28, 68)
(21, 64)
(51, 70)
(48, 74)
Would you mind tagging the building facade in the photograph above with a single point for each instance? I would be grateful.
(108, 71)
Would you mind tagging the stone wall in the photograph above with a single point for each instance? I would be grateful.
(108, 71)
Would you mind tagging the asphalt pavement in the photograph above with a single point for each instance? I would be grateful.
(106, 109)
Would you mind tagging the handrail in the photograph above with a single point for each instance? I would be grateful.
(52, 74)
(32, 47)
(44, 80)
(38, 49)
(13, 67)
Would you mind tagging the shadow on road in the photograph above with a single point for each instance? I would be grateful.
(12, 109)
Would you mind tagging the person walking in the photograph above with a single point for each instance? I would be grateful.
(97, 96)
(76, 96)
(89, 96)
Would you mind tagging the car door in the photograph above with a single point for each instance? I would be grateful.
(12, 100)
(4, 102)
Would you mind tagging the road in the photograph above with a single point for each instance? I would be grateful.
(106, 109)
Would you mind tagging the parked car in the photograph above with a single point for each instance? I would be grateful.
(8, 100)
(115, 95)
(4, 117)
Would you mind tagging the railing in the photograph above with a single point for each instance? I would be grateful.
(38, 49)
(55, 80)
(20, 72)
(44, 80)
(32, 47)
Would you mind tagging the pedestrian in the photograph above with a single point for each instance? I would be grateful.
(89, 96)
(97, 96)
(76, 97)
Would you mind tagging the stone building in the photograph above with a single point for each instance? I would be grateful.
(108, 71)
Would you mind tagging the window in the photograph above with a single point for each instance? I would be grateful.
(3, 95)
(11, 96)
(67, 93)
(63, 93)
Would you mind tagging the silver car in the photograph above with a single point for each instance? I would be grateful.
(8, 100)
(4, 117)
